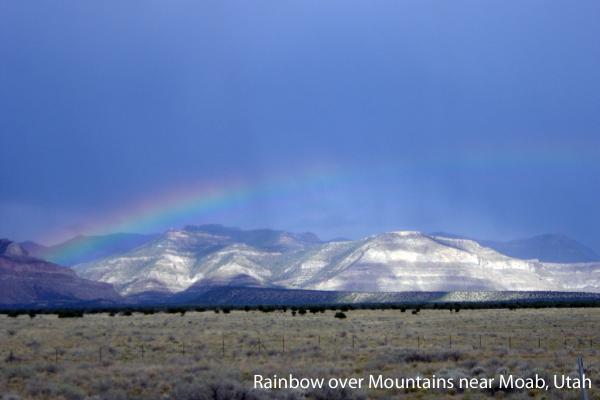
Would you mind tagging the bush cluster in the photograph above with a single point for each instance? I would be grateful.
(77, 312)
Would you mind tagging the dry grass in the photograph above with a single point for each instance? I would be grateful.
(169, 356)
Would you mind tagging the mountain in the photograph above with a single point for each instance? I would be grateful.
(10, 249)
(28, 280)
(208, 254)
(551, 248)
(34, 249)
(548, 248)
(266, 239)
(245, 296)
(400, 261)
(81, 249)
(196, 258)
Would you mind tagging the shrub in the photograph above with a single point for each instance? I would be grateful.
(71, 392)
(70, 314)
(19, 371)
(411, 356)
(224, 390)
(340, 315)
(50, 368)
(335, 394)
(41, 388)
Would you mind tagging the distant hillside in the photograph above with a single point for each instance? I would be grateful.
(207, 254)
(211, 256)
(246, 296)
(546, 248)
(267, 239)
(28, 280)
(552, 248)
(82, 249)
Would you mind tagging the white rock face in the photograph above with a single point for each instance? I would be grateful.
(401, 261)
(182, 258)
(395, 261)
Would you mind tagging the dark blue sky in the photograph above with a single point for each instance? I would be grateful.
(480, 118)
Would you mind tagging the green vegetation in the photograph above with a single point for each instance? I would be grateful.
(415, 308)
(340, 315)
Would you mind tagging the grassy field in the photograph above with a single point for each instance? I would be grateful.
(208, 355)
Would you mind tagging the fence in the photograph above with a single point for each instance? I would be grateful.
(268, 345)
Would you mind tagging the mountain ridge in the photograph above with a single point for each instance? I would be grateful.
(28, 280)
(86, 248)
(547, 247)
(389, 262)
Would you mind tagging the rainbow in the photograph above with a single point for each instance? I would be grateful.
(193, 202)
(184, 205)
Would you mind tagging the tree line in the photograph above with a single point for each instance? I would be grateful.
(414, 308)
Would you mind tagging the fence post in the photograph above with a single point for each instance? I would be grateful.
(11, 357)
(584, 392)
(418, 342)
(539, 343)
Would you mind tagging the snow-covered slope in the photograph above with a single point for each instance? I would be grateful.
(197, 255)
(400, 261)
(394, 261)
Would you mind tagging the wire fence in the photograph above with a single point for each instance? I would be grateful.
(270, 345)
